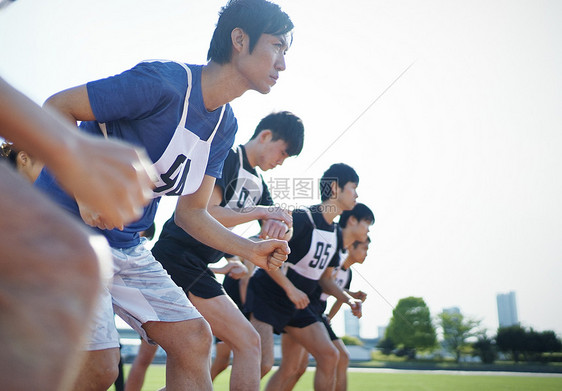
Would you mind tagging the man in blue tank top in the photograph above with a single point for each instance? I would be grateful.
(278, 302)
(181, 115)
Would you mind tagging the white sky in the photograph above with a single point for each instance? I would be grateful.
(460, 159)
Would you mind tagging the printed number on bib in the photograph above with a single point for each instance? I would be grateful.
(244, 193)
(175, 177)
(321, 255)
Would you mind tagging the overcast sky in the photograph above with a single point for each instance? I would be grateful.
(450, 111)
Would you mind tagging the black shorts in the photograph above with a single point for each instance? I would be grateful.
(232, 289)
(269, 303)
(303, 318)
(331, 333)
(188, 268)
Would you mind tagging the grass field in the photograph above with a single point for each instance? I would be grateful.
(359, 381)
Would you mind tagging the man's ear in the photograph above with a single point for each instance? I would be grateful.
(335, 188)
(265, 135)
(23, 158)
(237, 36)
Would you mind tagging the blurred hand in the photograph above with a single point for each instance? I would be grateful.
(237, 270)
(110, 181)
(278, 213)
(270, 254)
(299, 298)
(356, 309)
(359, 295)
(274, 229)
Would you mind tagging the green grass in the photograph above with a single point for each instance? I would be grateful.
(359, 381)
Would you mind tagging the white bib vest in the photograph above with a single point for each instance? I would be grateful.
(249, 188)
(323, 246)
(182, 166)
(339, 275)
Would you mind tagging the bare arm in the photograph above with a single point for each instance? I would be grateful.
(334, 310)
(330, 287)
(298, 297)
(234, 268)
(230, 217)
(272, 228)
(107, 177)
(192, 215)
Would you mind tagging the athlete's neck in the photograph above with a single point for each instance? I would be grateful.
(219, 85)
(330, 210)
(347, 238)
(348, 262)
(251, 152)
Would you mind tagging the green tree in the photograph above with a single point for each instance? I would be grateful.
(456, 331)
(532, 344)
(410, 326)
(485, 348)
(512, 340)
(386, 346)
(537, 343)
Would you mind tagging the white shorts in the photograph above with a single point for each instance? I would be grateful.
(141, 291)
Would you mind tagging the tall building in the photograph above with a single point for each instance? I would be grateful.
(507, 309)
(452, 310)
(382, 331)
(351, 323)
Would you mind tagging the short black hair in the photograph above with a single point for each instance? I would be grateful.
(255, 17)
(360, 212)
(285, 126)
(8, 152)
(340, 173)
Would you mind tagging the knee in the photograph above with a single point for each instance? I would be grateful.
(329, 356)
(246, 340)
(201, 337)
(105, 373)
(344, 358)
(252, 341)
(198, 338)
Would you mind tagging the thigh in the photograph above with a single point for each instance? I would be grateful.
(314, 338)
(265, 331)
(185, 337)
(329, 329)
(143, 291)
(292, 352)
(225, 319)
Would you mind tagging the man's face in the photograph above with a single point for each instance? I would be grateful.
(261, 67)
(359, 253)
(362, 230)
(273, 154)
(347, 196)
